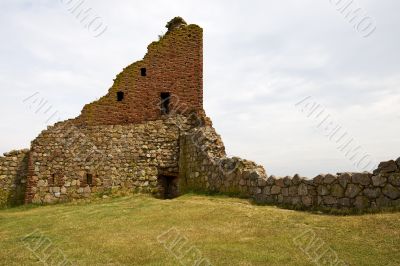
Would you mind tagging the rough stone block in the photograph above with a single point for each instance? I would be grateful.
(379, 180)
(329, 179)
(306, 200)
(391, 192)
(271, 180)
(361, 178)
(372, 193)
(287, 181)
(279, 182)
(383, 201)
(322, 190)
(387, 167)
(394, 179)
(319, 179)
(275, 190)
(361, 202)
(329, 200)
(296, 179)
(352, 191)
(302, 190)
(344, 202)
(285, 192)
(267, 190)
(337, 191)
(293, 191)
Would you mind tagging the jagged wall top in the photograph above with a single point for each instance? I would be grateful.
(173, 65)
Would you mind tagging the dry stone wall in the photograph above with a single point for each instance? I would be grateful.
(13, 177)
(68, 162)
(342, 191)
(205, 167)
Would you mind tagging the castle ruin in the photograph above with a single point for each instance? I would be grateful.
(150, 134)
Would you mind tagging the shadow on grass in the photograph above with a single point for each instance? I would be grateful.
(100, 199)
(317, 210)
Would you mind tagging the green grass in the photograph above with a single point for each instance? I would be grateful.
(226, 231)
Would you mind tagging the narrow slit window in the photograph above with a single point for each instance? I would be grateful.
(165, 101)
(89, 179)
(53, 179)
(120, 96)
(143, 72)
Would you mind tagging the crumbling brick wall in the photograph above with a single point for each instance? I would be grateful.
(174, 65)
(13, 175)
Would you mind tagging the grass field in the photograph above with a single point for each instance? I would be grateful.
(140, 230)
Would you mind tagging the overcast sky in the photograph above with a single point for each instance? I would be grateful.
(260, 59)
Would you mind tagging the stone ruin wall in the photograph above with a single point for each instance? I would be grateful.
(119, 158)
(130, 158)
(124, 144)
(13, 177)
(205, 167)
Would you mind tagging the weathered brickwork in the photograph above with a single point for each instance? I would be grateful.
(174, 65)
(13, 176)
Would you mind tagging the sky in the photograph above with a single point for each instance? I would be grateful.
(266, 63)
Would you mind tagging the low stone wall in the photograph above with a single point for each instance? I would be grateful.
(205, 167)
(342, 191)
(13, 175)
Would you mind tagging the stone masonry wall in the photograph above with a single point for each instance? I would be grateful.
(342, 191)
(205, 167)
(128, 158)
(174, 64)
(13, 174)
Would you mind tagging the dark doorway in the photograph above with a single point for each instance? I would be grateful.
(165, 100)
(168, 187)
